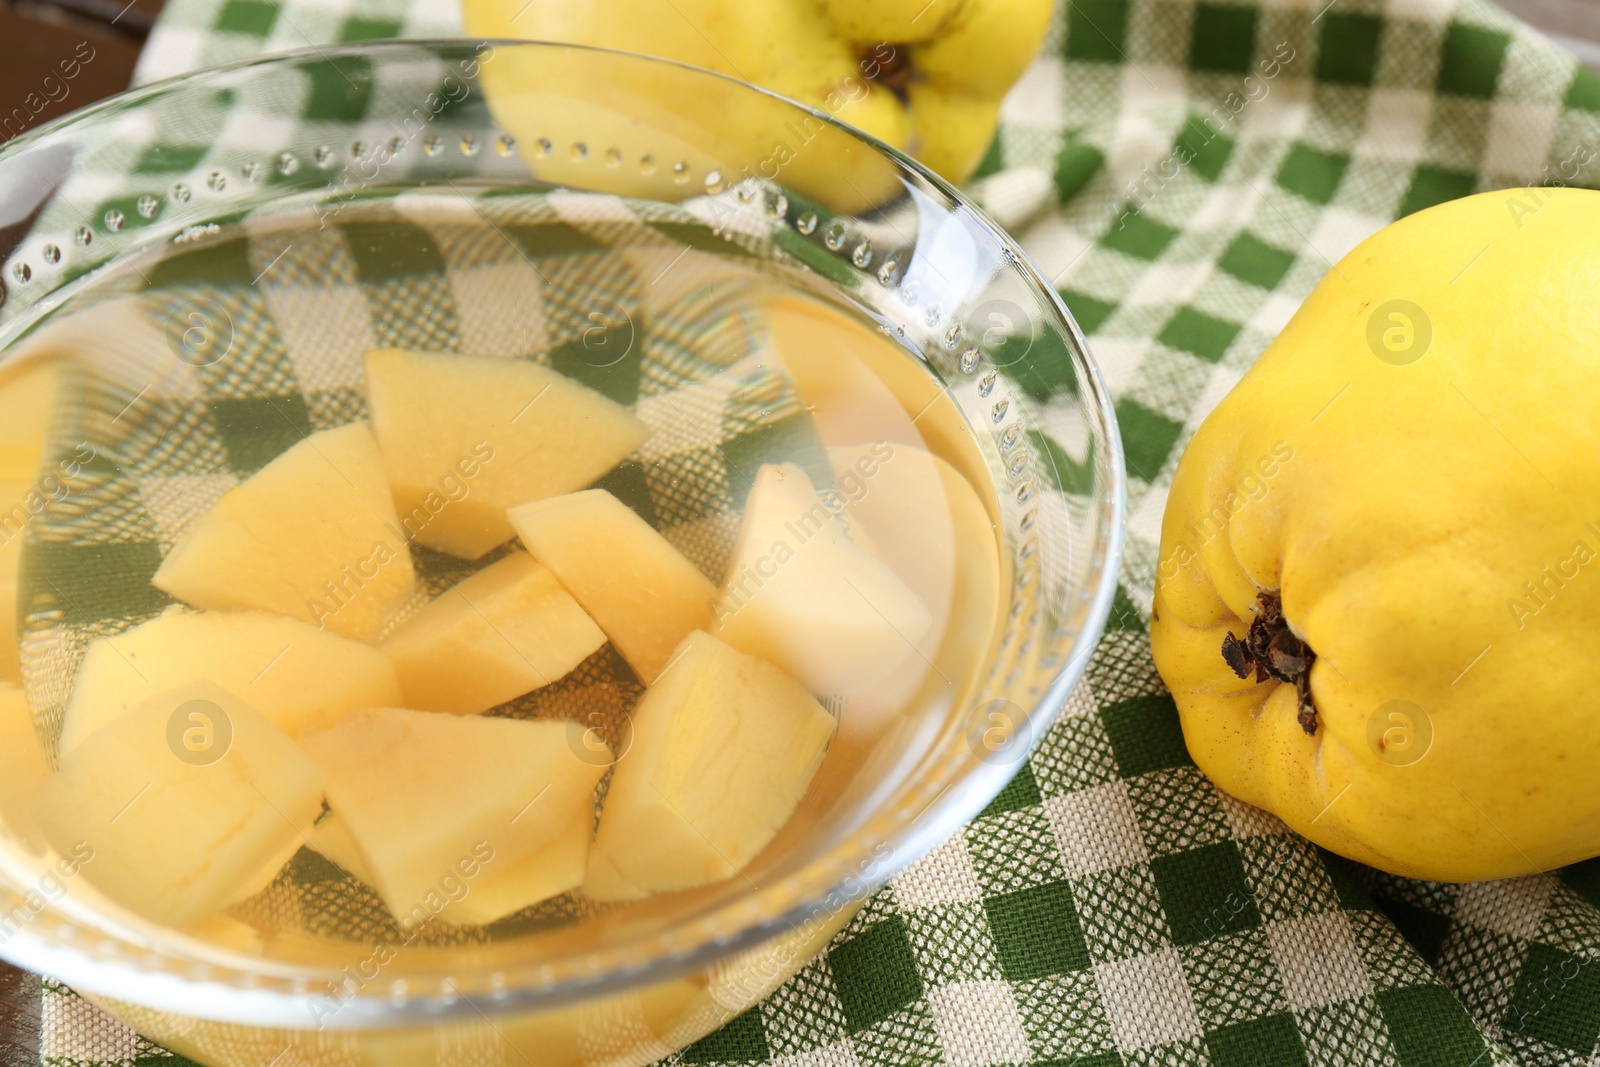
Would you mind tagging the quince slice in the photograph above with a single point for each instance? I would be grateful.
(185, 802)
(505, 631)
(724, 746)
(466, 437)
(312, 535)
(301, 678)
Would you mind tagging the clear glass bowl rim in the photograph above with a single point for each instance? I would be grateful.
(204, 984)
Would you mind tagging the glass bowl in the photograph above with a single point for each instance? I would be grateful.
(144, 196)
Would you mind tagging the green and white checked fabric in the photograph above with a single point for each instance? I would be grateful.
(1185, 172)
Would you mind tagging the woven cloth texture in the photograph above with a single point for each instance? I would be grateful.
(1111, 906)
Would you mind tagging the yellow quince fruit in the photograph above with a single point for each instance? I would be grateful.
(1378, 598)
(925, 78)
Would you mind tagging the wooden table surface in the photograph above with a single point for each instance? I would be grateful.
(35, 36)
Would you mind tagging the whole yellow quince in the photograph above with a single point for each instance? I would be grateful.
(1378, 594)
(925, 76)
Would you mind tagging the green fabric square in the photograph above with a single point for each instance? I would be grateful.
(1089, 312)
(994, 159)
(1224, 38)
(1147, 438)
(1435, 185)
(1203, 335)
(1351, 896)
(89, 583)
(1065, 473)
(1098, 1059)
(221, 264)
(369, 29)
(1252, 260)
(1076, 166)
(169, 158)
(741, 1040)
(789, 440)
(1584, 92)
(1036, 932)
(875, 973)
(1557, 999)
(1584, 880)
(392, 250)
(256, 430)
(550, 239)
(1348, 52)
(607, 358)
(1041, 366)
(1207, 150)
(1097, 30)
(630, 484)
(1124, 616)
(1312, 174)
(341, 89)
(1430, 1028)
(1204, 893)
(1020, 793)
(1138, 235)
(254, 17)
(1426, 930)
(1470, 62)
(1271, 1041)
(1145, 734)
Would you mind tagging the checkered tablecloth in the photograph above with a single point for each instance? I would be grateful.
(1111, 906)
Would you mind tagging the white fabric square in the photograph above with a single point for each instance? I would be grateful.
(1513, 907)
(1136, 143)
(76, 1030)
(842, 1054)
(327, 331)
(1339, 230)
(171, 49)
(1147, 1000)
(1016, 194)
(1120, 359)
(1145, 519)
(1169, 283)
(1274, 313)
(1036, 98)
(1218, 385)
(1148, 87)
(1056, 249)
(1226, 207)
(498, 308)
(1421, 10)
(1318, 961)
(1283, 112)
(978, 1024)
(1096, 829)
(1397, 124)
(1519, 140)
(943, 876)
(1246, 820)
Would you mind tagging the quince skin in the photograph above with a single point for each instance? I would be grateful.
(1396, 516)
(925, 78)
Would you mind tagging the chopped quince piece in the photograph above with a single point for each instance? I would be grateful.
(464, 438)
(185, 801)
(313, 535)
(724, 747)
(554, 869)
(301, 678)
(641, 590)
(507, 630)
(802, 595)
(428, 796)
